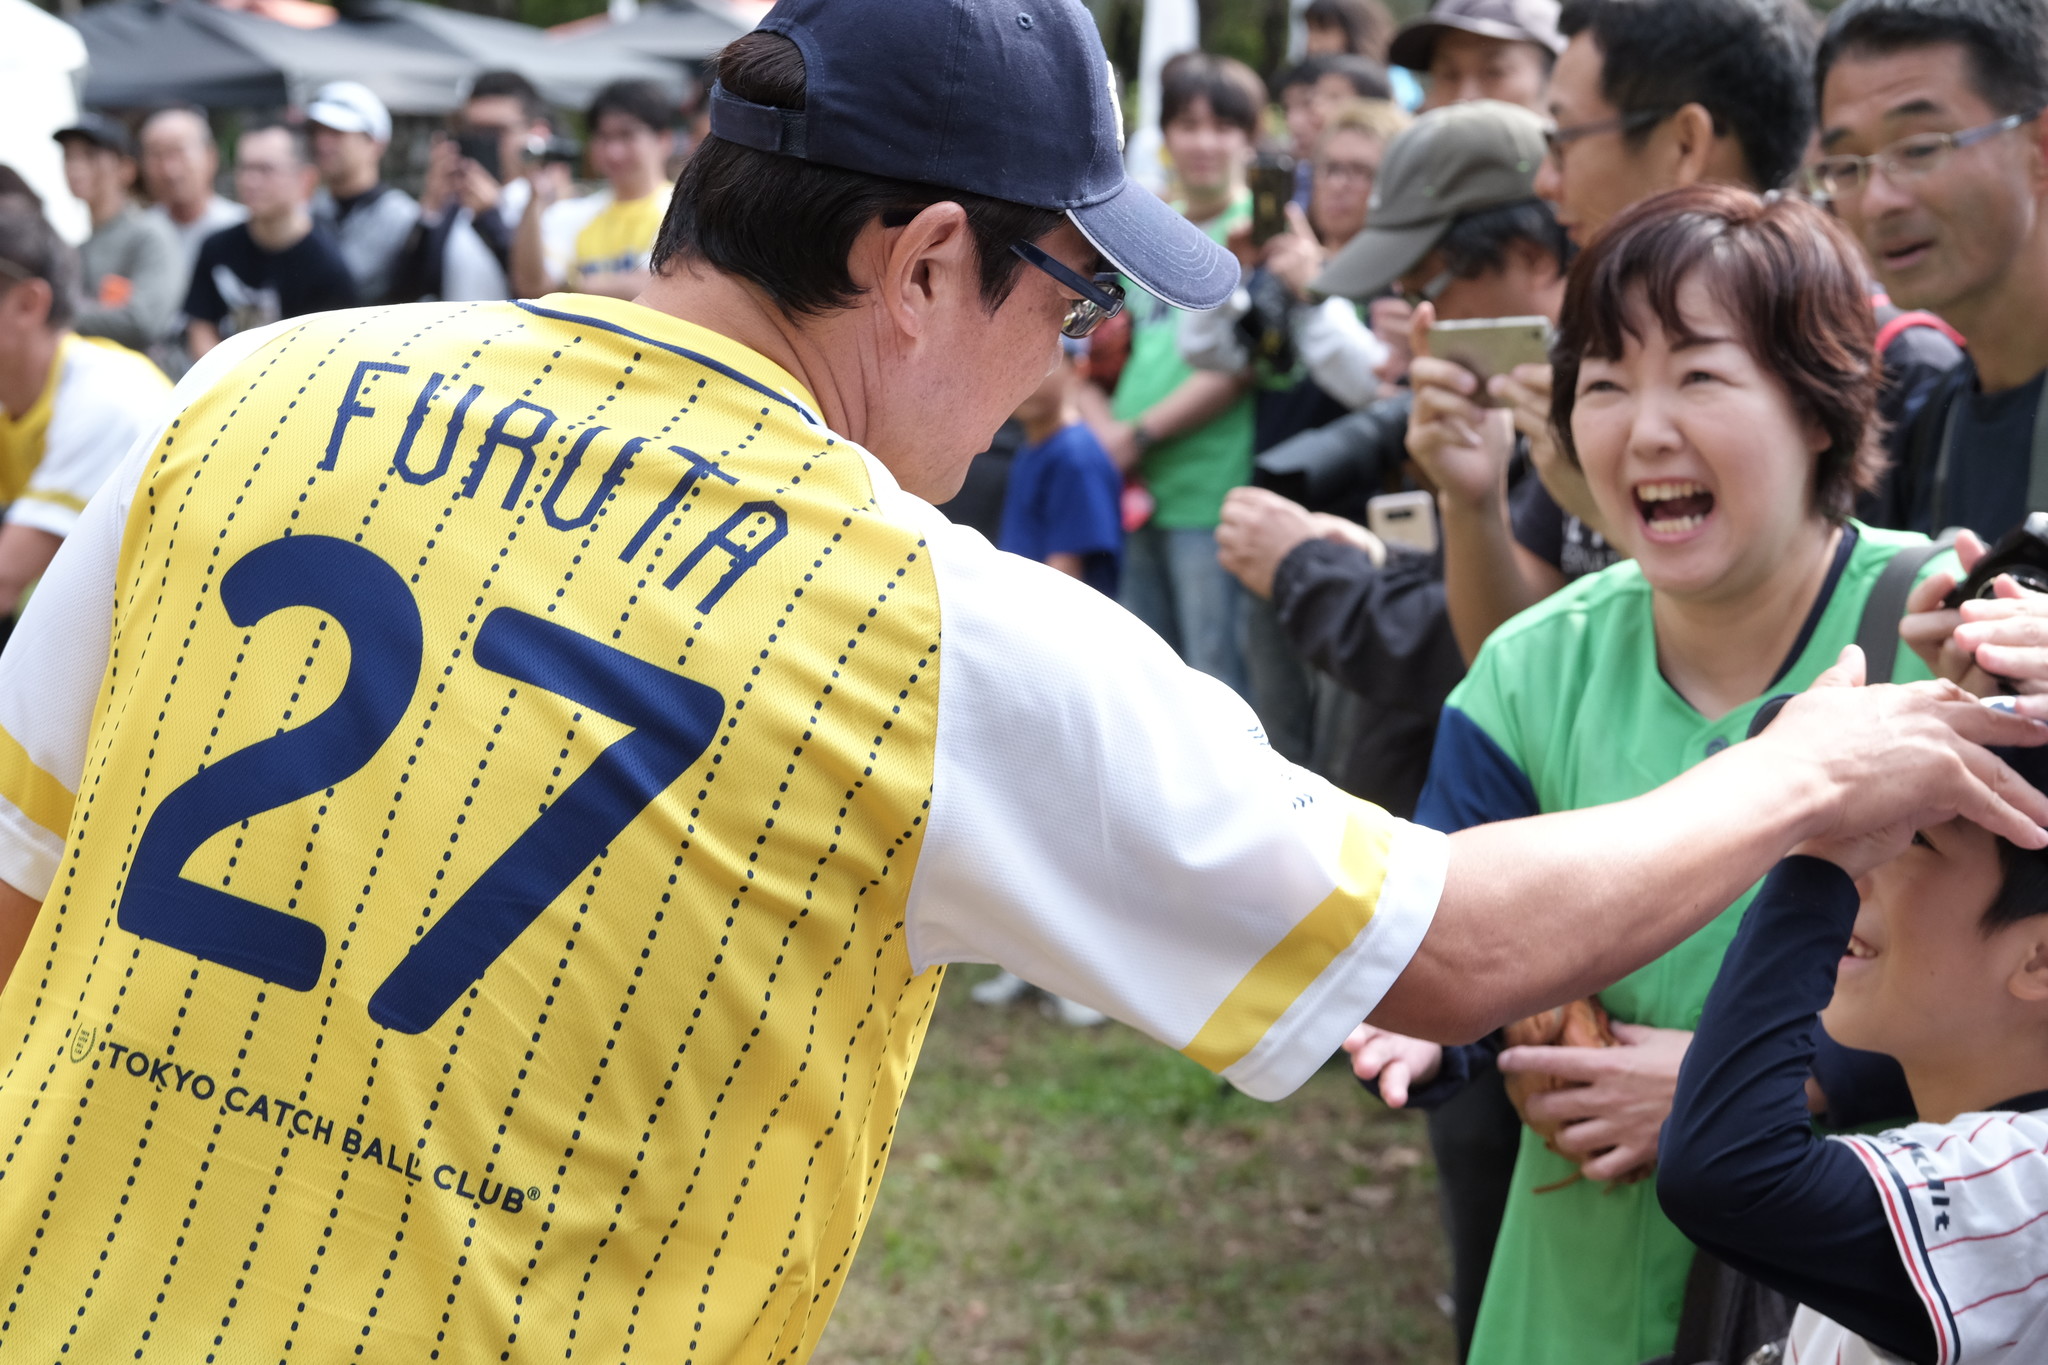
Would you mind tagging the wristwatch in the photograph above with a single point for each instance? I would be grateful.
(1141, 439)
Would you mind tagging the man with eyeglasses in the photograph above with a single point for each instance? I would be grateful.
(486, 789)
(1934, 153)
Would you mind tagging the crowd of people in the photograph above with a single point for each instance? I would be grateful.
(1790, 284)
(1796, 278)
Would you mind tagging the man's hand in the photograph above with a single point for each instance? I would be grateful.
(1399, 1063)
(1526, 390)
(1390, 319)
(1258, 529)
(2007, 638)
(477, 188)
(444, 159)
(1929, 628)
(1343, 531)
(1616, 1099)
(1295, 257)
(1911, 756)
(1463, 448)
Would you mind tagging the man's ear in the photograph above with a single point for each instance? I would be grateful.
(2029, 980)
(919, 267)
(1694, 146)
(29, 302)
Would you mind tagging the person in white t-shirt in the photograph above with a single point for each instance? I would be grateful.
(70, 406)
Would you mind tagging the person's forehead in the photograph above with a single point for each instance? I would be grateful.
(496, 110)
(1350, 144)
(1872, 92)
(174, 128)
(618, 123)
(1575, 94)
(1473, 49)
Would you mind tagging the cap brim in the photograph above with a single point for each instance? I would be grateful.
(1375, 258)
(1151, 244)
(1415, 46)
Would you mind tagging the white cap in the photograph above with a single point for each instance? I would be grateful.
(350, 107)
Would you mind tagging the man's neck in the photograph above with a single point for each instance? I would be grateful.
(185, 212)
(281, 231)
(22, 381)
(637, 185)
(1202, 205)
(108, 209)
(2006, 323)
(1720, 654)
(354, 186)
(1042, 429)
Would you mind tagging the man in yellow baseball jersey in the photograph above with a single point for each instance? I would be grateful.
(497, 845)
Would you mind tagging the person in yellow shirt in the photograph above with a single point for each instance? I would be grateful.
(631, 140)
(70, 406)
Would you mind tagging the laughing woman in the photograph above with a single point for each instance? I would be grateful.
(1716, 382)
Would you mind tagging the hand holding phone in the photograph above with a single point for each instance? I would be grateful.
(1492, 346)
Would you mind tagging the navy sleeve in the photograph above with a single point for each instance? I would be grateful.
(1384, 632)
(1740, 1169)
(1472, 781)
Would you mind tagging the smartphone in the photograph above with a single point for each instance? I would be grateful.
(1271, 178)
(482, 146)
(1491, 346)
(1404, 519)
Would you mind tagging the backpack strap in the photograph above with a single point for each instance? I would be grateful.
(1877, 633)
(1889, 331)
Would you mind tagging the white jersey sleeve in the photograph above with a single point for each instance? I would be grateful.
(51, 672)
(107, 399)
(1968, 1206)
(1110, 824)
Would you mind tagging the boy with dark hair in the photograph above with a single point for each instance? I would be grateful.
(1920, 1244)
(632, 133)
(1188, 433)
(1935, 156)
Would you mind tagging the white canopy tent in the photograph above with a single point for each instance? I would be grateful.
(41, 61)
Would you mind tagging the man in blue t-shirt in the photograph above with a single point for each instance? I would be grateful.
(1064, 505)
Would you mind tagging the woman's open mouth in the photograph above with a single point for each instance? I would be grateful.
(1673, 507)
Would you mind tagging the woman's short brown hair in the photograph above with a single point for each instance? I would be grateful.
(1790, 278)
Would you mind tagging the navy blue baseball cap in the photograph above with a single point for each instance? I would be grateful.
(1009, 99)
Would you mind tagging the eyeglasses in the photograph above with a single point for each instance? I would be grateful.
(1101, 298)
(1347, 170)
(1903, 162)
(1556, 139)
(1429, 292)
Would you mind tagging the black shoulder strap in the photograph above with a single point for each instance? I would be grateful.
(1877, 634)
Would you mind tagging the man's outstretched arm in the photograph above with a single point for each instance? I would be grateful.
(1543, 910)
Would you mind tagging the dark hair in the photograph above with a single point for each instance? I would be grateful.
(512, 85)
(12, 184)
(2023, 889)
(643, 101)
(1367, 24)
(1748, 63)
(1234, 92)
(1367, 77)
(1478, 241)
(788, 225)
(1789, 276)
(295, 133)
(2006, 42)
(28, 241)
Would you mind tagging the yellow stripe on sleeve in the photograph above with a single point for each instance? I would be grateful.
(39, 796)
(55, 498)
(1271, 987)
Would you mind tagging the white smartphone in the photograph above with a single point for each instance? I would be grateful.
(1491, 346)
(1404, 519)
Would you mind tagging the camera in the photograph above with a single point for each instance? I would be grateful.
(2021, 554)
(1336, 468)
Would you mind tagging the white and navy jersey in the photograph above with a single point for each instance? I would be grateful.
(1967, 1203)
(502, 780)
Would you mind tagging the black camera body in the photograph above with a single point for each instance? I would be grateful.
(1336, 468)
(2022, 553)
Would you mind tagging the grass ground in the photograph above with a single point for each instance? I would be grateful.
(1090, 1198)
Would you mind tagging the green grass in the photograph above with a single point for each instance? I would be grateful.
(1087, 1196)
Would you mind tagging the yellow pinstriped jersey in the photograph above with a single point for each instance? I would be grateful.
(497, 826)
